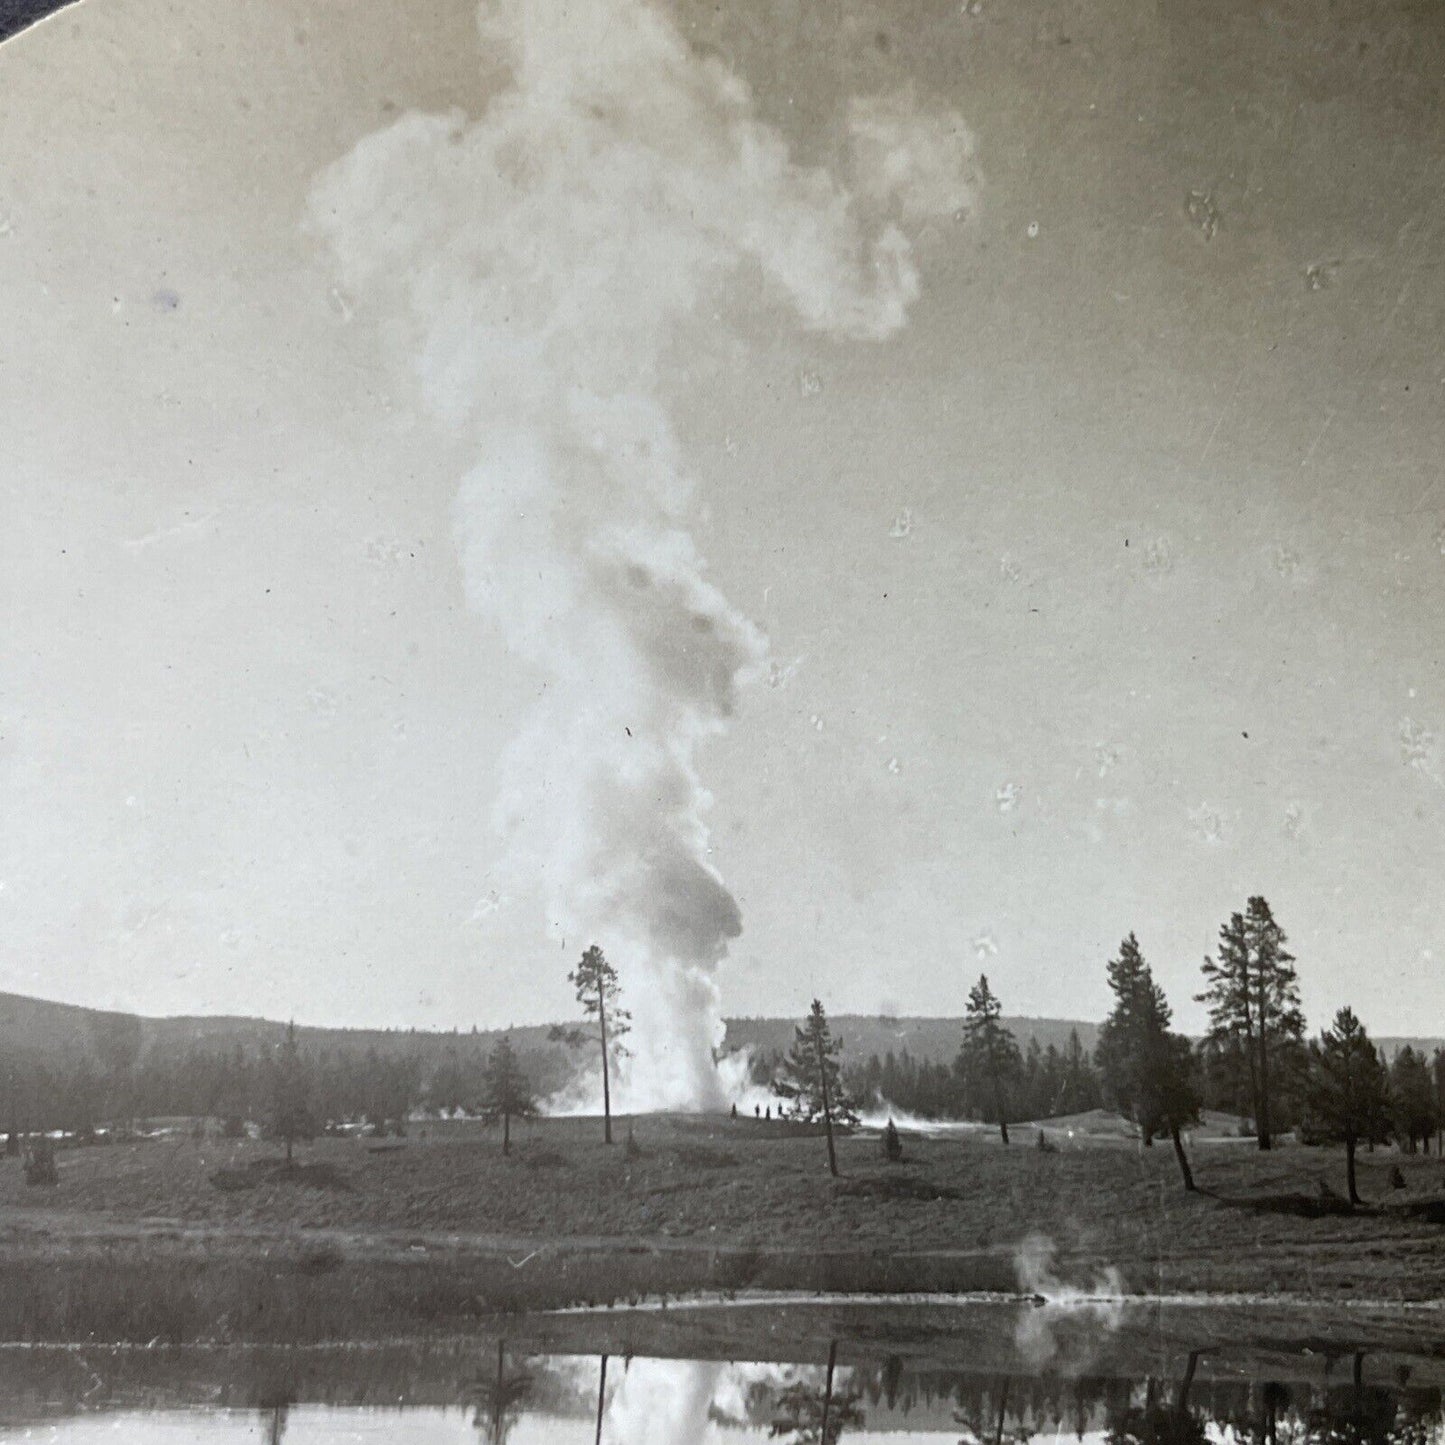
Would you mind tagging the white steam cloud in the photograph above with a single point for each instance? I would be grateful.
(663, 1402)
(1101, 1302)
(535, 270)
(700, 1402)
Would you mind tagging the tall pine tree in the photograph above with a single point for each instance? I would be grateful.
(1348, 1092)
(290, 1118)
(1129, 1039)
(1437, 1073)
(990, 1058)
(811, 1080)
(1412, 1100)
(1081, 1081)
(1148, 1071)
(598, 991)
(1253, 996)
(507, 1094)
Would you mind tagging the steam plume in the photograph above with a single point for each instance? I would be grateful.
(537, 268)
(662, 1402)
(1100, 1304)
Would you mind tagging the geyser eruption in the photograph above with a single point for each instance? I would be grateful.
(537, 268)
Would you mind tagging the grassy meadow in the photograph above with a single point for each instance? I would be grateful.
(184, 1239)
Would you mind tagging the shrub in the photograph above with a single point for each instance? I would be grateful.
(896, 1186)
(696, 1156)
(892, 1145)
(317, 1259)
(40, 1163)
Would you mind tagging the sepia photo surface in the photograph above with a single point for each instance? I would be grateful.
(722, 722)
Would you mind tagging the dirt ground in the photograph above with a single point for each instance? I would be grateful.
(1260, 1222)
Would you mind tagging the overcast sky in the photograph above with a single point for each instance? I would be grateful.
(1103, 585)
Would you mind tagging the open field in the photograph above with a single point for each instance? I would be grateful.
(429, 1230)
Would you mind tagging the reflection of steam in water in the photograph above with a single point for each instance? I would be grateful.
(1212, 1385)
(679, 1402)
(1102, 1302)
(661, 1401)
(693, 1402)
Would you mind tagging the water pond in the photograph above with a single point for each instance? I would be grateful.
(799, 1374)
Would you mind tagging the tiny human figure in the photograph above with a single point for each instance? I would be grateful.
(769, 1112)
(757, 1111)
(735, 1111)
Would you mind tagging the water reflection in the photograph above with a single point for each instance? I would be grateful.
(276, 1423)
(845, 1392)
(810, 1416)
(499, 1399)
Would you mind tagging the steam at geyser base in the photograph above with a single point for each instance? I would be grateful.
(604, 1083)
(531, 273)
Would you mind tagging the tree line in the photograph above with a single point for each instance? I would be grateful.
(288, 1107)
(1255, 1061)
(1051, 1082)
(112, 1084)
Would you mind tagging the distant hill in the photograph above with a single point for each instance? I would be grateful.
(936, 1039)
(39, 1024)
(39, 1028)
(1390, 1045)
(33, 1025)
